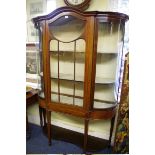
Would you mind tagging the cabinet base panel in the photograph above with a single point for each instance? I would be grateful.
(94, 143)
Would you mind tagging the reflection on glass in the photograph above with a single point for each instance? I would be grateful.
(109, 37)
(40, 65)
(109, 47)
(67, 71)
(67, 28)
(67, 58)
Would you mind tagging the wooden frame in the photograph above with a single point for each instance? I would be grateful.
(90, 36)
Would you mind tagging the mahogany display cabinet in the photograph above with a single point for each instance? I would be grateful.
(80, 61)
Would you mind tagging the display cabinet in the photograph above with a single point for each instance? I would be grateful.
(81, 57)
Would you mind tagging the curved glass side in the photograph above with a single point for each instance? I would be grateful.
(109, 52)
(40, 65)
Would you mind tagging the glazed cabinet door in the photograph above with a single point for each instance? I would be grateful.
(67, 48)
(108, 62)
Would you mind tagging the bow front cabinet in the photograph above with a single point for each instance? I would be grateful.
(80, 60)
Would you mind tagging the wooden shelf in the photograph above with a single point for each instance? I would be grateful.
(81, 78)
(78, 100)
(67, 77)
(81, 97)
(67, 51)
(103, 105)
(103, 52)
(78, 78)
(82, 52)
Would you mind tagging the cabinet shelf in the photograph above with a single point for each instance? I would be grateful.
(80, 97)
(69, 77)
(81, 52)
(98, 104)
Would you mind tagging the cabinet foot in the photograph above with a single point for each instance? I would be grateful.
(40, 114)
(49, 143)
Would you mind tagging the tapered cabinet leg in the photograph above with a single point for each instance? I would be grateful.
(85, 134)
(27, 124)
(44, 117)
(40, 114)
(28, 131)
(111, 129)
(49, 126)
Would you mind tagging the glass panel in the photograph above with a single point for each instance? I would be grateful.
(67, 28)
(109, 51)
(79, 94)
(109, 37)
(106, 68)
(67, 58)
(54, 70)
(40, 65)
(67, 71)
(79, 72)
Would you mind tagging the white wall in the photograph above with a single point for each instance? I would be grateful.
(100, 5)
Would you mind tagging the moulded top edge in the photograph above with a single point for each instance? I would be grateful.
(108, 14)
